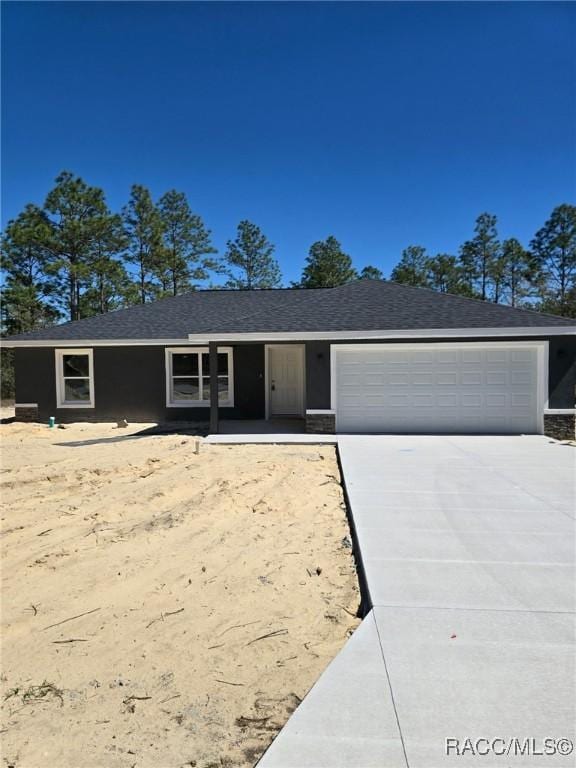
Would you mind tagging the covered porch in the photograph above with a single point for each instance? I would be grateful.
(252, 431)
(280, 426)
(274, 387)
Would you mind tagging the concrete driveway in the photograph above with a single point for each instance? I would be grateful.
(468, 545)
(464, 522)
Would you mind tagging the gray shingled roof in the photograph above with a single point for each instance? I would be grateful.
(364, 305)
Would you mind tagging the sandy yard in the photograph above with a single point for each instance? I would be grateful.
(161, 608)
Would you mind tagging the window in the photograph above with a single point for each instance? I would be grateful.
(74, 378)
(188, 377)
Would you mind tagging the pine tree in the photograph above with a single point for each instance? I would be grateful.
(27, 288)
(412, 269)
(478, 256)
(445, 275)
(327, 266)
(186, 243)
(249, 261)
(143, 228)
(109, 284)
(518, 271)
(554, 249)
(371, 273)
(76, 213)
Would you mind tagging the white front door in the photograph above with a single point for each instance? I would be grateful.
(285, 380)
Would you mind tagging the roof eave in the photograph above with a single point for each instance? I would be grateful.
(265, 336)
(413, 333)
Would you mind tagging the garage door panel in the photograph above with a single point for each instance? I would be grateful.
(456, 389)
(471, 377)
(422, 356)
(521, 401)
(520, 377)
(447, 356)
(398, 379)
(496, 400)
(471, 355)
(447, 379)
(422, 379)
(497, 355)
(447, 401)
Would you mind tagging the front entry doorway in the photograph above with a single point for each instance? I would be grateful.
(284, 380)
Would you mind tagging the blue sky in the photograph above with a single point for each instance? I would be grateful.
(384, 124)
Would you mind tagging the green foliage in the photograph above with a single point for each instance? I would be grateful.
(28, 288)
(75, 257)
(76, 213)
(371, 273)
(108, 284)
(412, 268)
(24, 310)
(7, 382)
(187, 244)
(327, 265)
(479, 256)
(518, 272)
(446, 275)
(554, 249)
(143, 228)
(249, 260)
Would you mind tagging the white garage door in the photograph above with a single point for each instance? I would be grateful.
(454, 388)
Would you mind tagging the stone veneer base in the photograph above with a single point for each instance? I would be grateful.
(321, 423)
(26, 413)
(560, 426)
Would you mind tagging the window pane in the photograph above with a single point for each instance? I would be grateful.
(223, 389)
(185, 364)
(222, 364)
(185, 389)
(77, 390)
(223, 394)
(76, 365)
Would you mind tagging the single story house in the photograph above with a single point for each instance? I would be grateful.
(369, 356)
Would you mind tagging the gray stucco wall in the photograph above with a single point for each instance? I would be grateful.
(317, 375)
(562, 372)
(130, 383)
(561, 369)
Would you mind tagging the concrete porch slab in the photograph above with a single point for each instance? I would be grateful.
(273, 438)
(277, 431)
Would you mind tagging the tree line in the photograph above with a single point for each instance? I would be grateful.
(73, 257)
(542, 276)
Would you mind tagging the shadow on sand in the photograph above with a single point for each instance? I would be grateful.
(177, 428)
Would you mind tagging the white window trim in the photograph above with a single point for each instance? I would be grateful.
(60, 389)
(169, 351)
